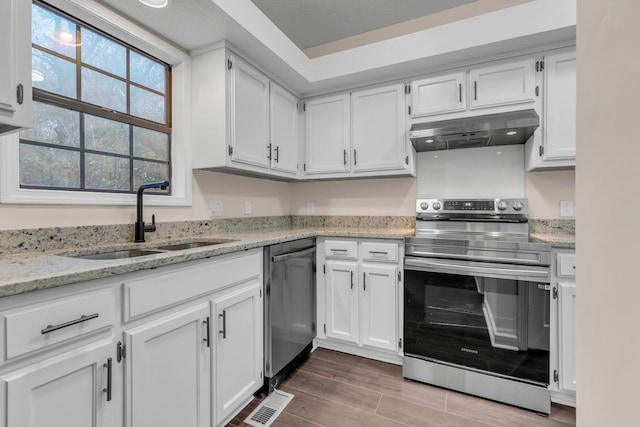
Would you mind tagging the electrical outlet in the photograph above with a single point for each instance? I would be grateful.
(566, 208)
(310, 208)
(247, 207)
(215, 208)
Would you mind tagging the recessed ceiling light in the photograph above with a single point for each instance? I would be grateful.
(155, 3)
(512, 132)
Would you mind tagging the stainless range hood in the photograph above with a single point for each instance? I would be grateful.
(514, 127)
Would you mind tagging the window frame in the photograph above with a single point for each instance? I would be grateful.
(119, 27)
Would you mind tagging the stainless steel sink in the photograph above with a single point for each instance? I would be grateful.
(132, 253)
(192, 244)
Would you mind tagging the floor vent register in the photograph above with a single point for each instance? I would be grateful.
(269, 409)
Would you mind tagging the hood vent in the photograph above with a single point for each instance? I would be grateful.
(514, 127)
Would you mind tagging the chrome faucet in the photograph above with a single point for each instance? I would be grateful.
(140, 227)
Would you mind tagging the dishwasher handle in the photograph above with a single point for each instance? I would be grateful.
(290, 255)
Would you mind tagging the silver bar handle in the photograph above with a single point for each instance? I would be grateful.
(475, 90)
(290, 255)
(107, 389)
(345, 157)
(459, 92)
(355, 156)
(269, 154)
(364, 281)
(277, 154)
(455, 268)
(352, 280)
(224, 324)
(379, 252)
(83, 318)
(206, 333)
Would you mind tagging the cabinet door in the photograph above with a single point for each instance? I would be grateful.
(567, 335)
(239, 350)
(342, 300)
(438, 95)
(15, 78)
(327, 134)
(168, 371)
(249, 114)
(502, 84)
(284, 130)
(378, 307)
(66, 390)
(378, 129)
(560, 107)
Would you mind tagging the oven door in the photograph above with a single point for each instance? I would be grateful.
(482, 316)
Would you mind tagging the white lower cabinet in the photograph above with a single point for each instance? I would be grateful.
(563, 327)
(238, 349)
(73, 389)
(168, 371)
(359, 297)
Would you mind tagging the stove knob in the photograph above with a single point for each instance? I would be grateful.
(517, 206)
(424, 206)
(436, 206)
(502, 206)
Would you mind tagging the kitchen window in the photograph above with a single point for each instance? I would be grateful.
(104, 96)
(101, 120)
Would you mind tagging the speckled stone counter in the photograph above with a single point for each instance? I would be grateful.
(559, 233)
(27, 272)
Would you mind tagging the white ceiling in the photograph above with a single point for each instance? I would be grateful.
(310, 23)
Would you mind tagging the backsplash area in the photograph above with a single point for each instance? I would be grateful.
(64, 238)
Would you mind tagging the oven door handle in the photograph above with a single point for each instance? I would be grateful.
(469, 268)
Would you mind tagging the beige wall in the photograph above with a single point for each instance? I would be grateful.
(545, 190)
(607, 180)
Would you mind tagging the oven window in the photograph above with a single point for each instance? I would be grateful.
(496, 325)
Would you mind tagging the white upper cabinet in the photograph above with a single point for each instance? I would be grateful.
(15, 70)
(502, 84)
(327, 134)
(554, 146)
(284, 130)
(378, 129)
(440, 94)
(249, 113)
(242, 122)
(358, 134)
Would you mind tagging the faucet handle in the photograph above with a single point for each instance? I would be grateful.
(153, 219)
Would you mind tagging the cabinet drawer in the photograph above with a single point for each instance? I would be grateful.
(566, 265)
(173, 285)
(341, 249)
(40, 325)
(376, 251)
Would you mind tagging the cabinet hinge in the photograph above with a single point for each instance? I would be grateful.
(409, 108)
(399, 276)
(324, 268)
(304, 167)
(20, 94)
(407, 89)
(541, 150)
(230, 150)
(325, 328)
(555, 293)
(400, 344)
(537, 90)
(539, 66)
(304, 107)
(406, 160)
(556, 376)
(229, 64)
(121, 352)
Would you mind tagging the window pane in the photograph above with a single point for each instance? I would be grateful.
(106, 135)
(102, 90)
(150, 144)
(147, 105)
(106, 172)
(147, 72)
(54, 125)
(49, 167)
(149, 172)
(53, 74)
(53, 31)
(103, 53)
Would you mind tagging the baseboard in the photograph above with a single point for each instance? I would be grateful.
(368, 353)
(563, 398)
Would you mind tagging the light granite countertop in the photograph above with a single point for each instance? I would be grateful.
(30, 272)
(556, 240)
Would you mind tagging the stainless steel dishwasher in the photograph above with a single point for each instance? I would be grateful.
(289, 307)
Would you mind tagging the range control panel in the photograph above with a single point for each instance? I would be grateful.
(472, 206)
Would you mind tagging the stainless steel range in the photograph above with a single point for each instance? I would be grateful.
(476, 301)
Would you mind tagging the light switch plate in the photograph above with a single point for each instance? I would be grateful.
(215, 208)
(566, 208)
(310, 208)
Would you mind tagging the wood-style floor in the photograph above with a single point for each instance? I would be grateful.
(335, 389)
